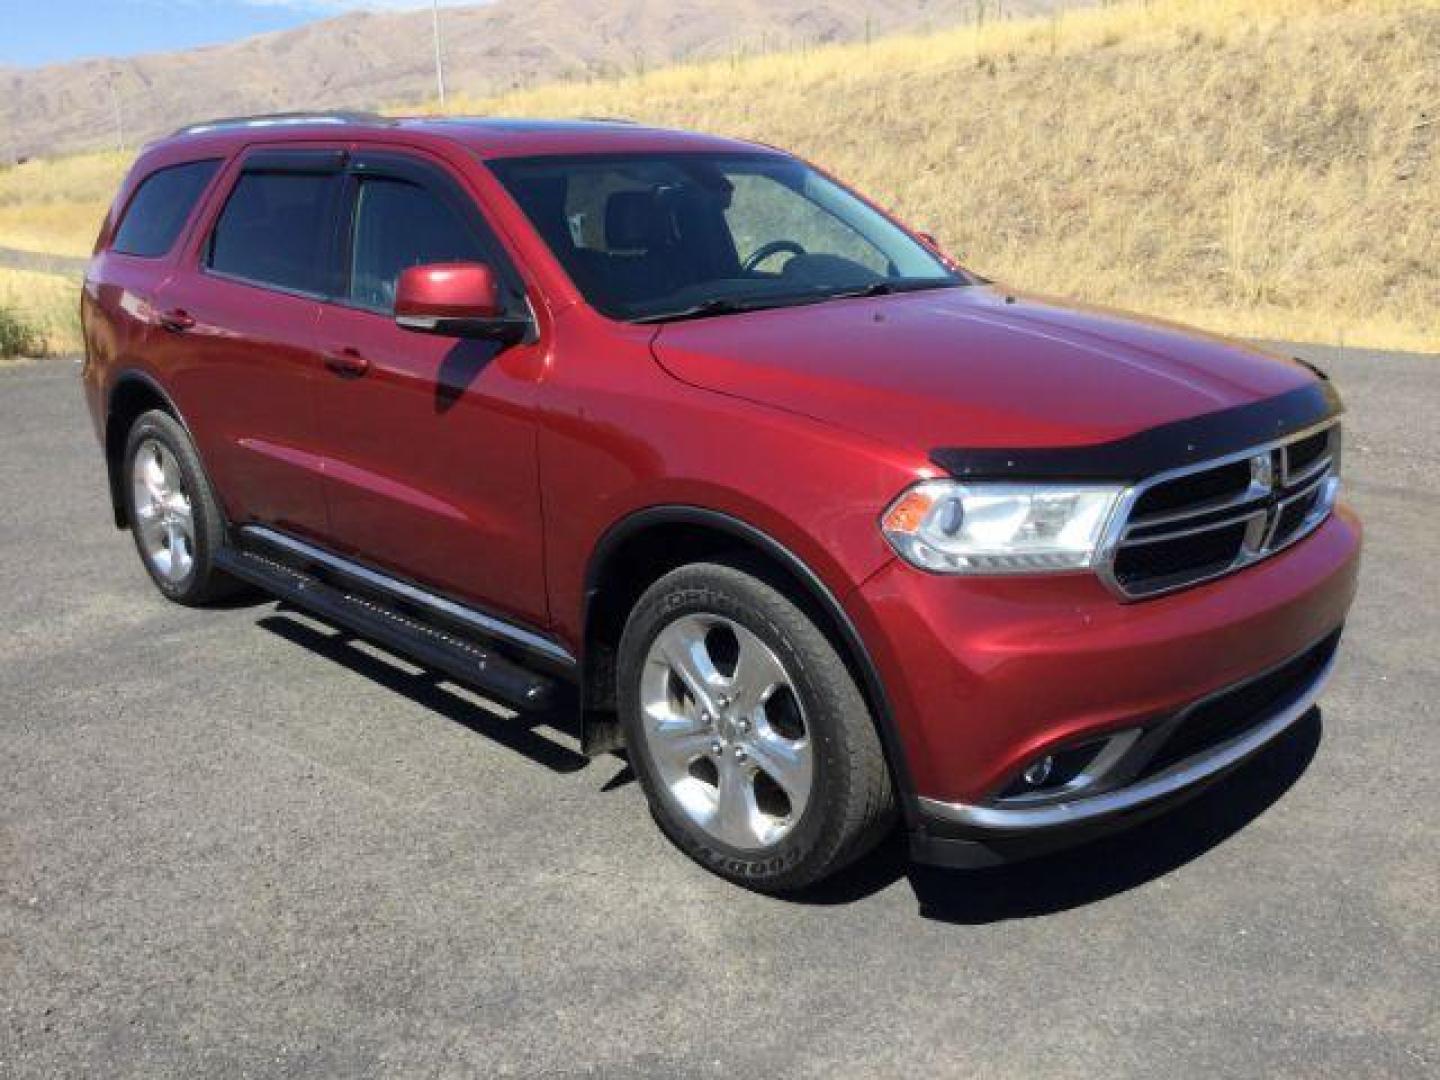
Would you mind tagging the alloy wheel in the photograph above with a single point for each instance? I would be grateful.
(164, 518)
(726, 730)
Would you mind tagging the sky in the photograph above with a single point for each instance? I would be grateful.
(36, 32)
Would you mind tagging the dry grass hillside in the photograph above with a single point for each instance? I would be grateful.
(54, 207)
(366, 58)
(1267, 168)
(1262, 167)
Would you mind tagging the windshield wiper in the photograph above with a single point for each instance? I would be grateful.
(714, 306)
(885, 288)
(722, 305)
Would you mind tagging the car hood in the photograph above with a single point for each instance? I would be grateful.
(972, 366)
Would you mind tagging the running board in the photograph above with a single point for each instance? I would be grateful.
(462, 660)
(427, 607)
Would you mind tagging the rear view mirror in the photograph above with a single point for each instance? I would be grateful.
(454, 300)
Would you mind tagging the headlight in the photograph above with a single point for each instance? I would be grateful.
(997, 528)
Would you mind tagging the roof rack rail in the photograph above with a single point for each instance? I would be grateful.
(262, 120)
(608, 120)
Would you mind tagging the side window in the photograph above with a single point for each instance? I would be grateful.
(398, 225)
(276, 230)
(160, 208)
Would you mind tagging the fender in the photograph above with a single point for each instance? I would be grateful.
(129, 377)
(855, 650)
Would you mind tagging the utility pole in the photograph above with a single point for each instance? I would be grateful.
(119, 113)
(439, 60)
(13, 157)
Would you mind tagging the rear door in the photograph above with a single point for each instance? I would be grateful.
(430, 441)
(241, 319)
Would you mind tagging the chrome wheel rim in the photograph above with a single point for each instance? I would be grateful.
(164, 519)
(726, 732)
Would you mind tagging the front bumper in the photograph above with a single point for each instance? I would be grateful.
(966, 834)
(987, 675)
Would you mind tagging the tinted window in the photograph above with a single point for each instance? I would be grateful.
(398, 225)
(276, 230)
(655, 236)
(161, 207)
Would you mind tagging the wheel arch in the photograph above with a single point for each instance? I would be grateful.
(133, 394)
(649, 543)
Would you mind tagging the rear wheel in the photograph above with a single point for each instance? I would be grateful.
(752, 742)
(173, 514)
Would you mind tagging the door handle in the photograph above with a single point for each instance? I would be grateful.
(177, 320)
(347, 362)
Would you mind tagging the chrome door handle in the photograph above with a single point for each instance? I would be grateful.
(177, 320)
(347, 362)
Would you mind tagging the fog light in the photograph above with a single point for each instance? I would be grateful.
(1039, 772)
(1067, 772)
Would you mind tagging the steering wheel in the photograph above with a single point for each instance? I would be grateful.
(765, 251)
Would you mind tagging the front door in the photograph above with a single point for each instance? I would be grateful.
(431, 470)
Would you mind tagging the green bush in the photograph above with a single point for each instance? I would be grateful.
(17, 337)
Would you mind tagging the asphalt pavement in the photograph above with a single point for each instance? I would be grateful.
(236, 843)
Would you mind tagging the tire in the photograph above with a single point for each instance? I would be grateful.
(174, 517)
(752, 742)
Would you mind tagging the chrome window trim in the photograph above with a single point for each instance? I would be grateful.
(1120, 519)
(1192, 770)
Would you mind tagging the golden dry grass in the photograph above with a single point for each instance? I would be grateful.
(1259, 167)
(47, 303)
(1268, 168)
(56, 206)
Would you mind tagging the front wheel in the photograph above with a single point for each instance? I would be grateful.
(754, 746)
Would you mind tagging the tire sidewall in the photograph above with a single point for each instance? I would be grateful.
(815, 836)
(166, 431)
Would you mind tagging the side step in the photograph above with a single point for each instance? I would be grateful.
(462, 660)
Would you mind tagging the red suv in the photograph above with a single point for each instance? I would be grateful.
(680, 434)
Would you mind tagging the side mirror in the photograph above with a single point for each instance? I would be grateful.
(454, 300)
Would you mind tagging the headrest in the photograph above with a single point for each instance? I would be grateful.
(633, 221)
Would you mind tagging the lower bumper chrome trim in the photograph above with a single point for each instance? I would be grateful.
(1177, 778)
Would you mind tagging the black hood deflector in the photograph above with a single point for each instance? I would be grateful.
(1157, 449)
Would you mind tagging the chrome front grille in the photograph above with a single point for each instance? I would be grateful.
(1194, 524)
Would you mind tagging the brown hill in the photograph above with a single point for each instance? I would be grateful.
(370, 59)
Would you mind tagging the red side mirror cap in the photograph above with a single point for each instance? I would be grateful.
(453, 299)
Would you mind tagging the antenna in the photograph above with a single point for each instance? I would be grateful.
(439, 59)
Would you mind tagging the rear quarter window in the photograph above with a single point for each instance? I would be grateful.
(160, 207)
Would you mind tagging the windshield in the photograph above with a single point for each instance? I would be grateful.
(650, 237)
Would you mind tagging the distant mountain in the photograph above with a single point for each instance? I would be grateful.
(372, 59)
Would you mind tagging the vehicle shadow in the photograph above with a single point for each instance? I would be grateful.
(1099, 869)
(1040, 886)
(431, 690)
